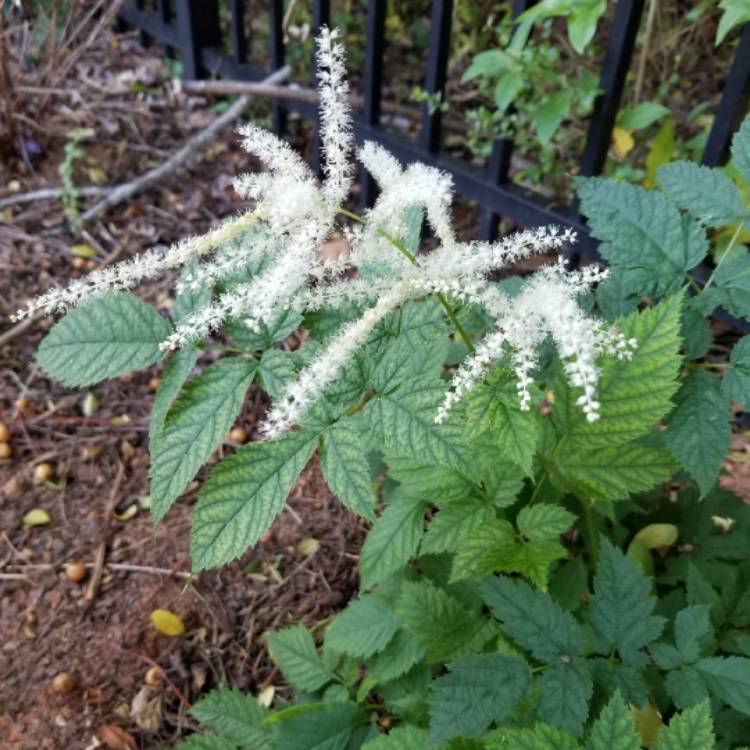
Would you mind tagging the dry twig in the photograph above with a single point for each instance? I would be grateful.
(179, 159)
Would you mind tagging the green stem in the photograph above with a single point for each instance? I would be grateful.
(712, 365)
(221, 348)
(731, 244)
(361, 403)
(590, 531)
(412, 259)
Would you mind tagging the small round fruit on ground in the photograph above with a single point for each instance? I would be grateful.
(75, 571)
(238, 435)
(6, 451)
(4, 433)
(63, 683)
(43, 473)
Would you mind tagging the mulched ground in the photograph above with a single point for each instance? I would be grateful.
(48, 624)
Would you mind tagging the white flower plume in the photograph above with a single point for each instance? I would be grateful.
(269, 259)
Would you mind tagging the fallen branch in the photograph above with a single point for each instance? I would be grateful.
(101, 550)
(248, 88)
(181, 157)
(296, 93)
(48, 194)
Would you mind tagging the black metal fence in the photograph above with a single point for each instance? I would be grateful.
(193, 29)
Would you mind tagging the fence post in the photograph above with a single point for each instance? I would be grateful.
(733, 104)
(197, 28)
(437, 68)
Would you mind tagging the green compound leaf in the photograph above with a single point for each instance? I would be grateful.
(476, 691)
(620, 610)
(729, 679)
(541, 737)
(276, 371)
(190, 300)
(409, 358)
(565, 691)
(437, 484)
(284, 323)
(294, 653)
(615, 728)
(736, 382)
(454, 523)
(634, 393)
(319, 726)
(346, 468)
(691, 626)
(405, 737)
(397, 658)
(392, 541)
(404, 421)
(699, 429)
(242, 496)
(705, 193)
(195, 425)
(612, 474)
(533, 619)
(440, 623)
(206, 742)
(642, 232)
(103, 339)
(364, 628)
(235, 715)
(543, 522)
(690, 730)
(175, 373)
(741, 149)
(732, 288)
(496, 547)
(686, 687)
(494, 406)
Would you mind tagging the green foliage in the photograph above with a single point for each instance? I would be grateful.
(242, 496)
(476, 691)
(103, 339)
(234, 715)
(364, 628)
(194, 425)
(615, 728)
(293, 650)
(699, 428)
(621, 608)
(690, 730)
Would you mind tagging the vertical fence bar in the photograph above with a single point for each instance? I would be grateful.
(375, 45)
(164, 10)
(502, 150)
(237, 30)
(276, 56)
(143, 38)
(321, 17)
(197, 27)
(437, 67)
(733, 104)
(623, 32)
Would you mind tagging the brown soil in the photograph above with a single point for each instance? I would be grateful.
(47, 624)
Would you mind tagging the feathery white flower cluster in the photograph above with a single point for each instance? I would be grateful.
(295, 214)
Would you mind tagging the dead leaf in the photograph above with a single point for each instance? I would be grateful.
(145, 709)
(117, 739)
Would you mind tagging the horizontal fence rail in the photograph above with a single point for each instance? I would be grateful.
(192, 29)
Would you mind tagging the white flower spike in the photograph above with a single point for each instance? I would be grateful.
(277, 265)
